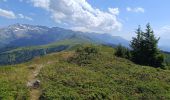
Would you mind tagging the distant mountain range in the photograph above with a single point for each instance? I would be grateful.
(21, 35)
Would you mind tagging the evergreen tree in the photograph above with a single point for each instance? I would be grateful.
(145, 48)
(137, 46)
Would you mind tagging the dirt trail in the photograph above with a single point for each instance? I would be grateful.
(34, 92)
(32, 78)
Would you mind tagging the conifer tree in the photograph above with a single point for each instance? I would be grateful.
(145, 48)
(136, 45)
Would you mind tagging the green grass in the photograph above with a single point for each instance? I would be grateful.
(106, 78)
(13, 82)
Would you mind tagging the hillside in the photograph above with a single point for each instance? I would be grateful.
(106, 77)
(23, 54)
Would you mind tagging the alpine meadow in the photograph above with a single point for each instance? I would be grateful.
(84, 50)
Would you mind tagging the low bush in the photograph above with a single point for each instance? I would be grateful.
(84, 55)
(123, 52)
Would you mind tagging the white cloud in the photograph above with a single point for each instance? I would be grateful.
(136, 10)
(41, 3)
(79, 14)
(21, 15)
(11, 15)
(114, 11)
(24, 17)
(164, 32)
(7, 14)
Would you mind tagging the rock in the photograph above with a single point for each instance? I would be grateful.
(36, 84)
(29, 84)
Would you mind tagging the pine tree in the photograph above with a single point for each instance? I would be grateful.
(136, 45)
(145, 48)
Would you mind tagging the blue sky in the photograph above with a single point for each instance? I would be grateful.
(116, 17)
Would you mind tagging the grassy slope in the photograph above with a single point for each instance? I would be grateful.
(12, 82)
(23, 54)
(108, 77)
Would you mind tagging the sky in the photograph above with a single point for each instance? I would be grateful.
(116, 17)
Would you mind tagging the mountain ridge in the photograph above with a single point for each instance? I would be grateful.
(31, 35)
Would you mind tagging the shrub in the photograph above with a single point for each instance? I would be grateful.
(123, 52)
(84, 55)
(159, 60)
